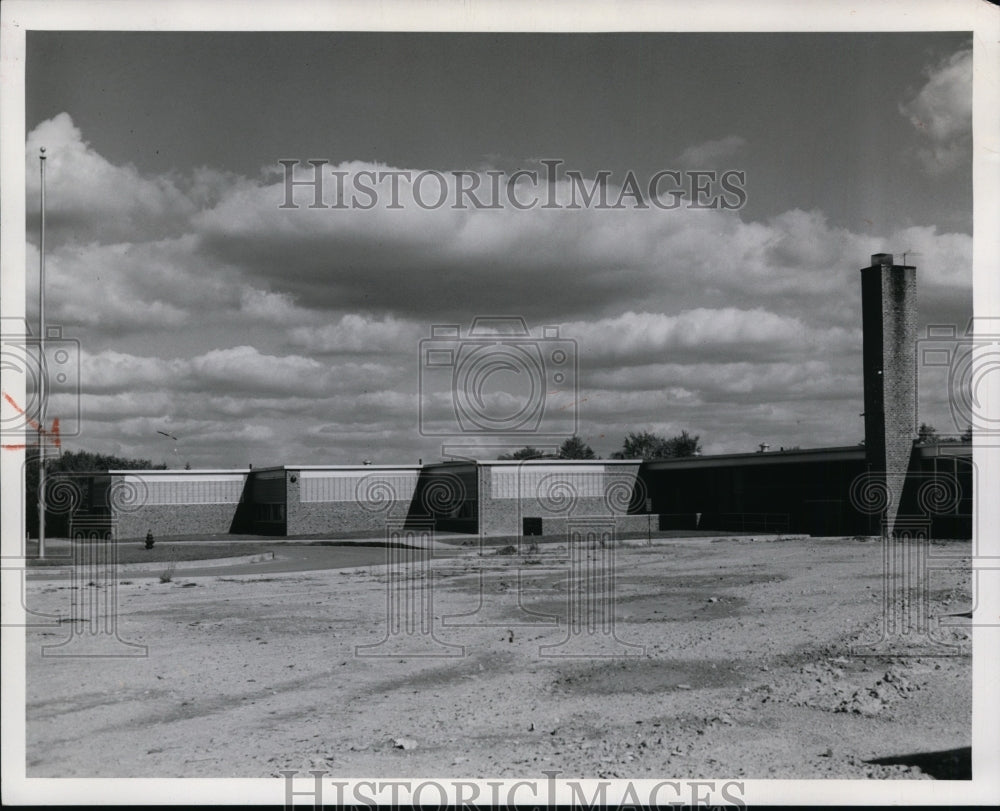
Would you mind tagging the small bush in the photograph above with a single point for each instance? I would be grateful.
(168, 574)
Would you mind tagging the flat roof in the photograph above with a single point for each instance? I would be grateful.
(845, 454)
(546, 461)
(601, 462)
(174, 471)
(848, 453)
(339, 467)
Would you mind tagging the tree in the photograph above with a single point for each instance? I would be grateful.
(89, 462)
(927, 434)
(641, 445)
(684, 445)
(575, 448)
(647, 445)
(527, 452)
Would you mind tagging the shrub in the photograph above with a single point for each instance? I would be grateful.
(168, 574)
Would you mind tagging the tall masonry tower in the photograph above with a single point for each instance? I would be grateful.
(889, 324)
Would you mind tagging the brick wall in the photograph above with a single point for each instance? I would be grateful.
(552, 492)
(899, 377)
(338, 501)
(169, 503)
(166, 521)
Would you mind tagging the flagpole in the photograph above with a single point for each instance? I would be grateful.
(41, 367)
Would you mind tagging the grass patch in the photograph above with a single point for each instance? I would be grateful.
(163, 552)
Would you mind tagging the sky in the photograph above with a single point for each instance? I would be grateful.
(257, 334)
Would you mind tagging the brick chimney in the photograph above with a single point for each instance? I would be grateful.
(889, 323)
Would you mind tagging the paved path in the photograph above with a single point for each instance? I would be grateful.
(304, 556)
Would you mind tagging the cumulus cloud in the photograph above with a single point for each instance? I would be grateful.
(271, 308)
(941, 110)
(357, 333)
(292, 335)
(424, 264)
(725, 332)
(420, 261)
(127, 287)
(232, 369)
(91, 199)
(707, 155)
(742, 380)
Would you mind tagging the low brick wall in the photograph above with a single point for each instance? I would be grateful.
(618, 524)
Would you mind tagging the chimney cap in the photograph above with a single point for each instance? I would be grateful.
(882, 259)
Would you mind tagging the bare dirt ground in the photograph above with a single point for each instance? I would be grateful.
(728, 658)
